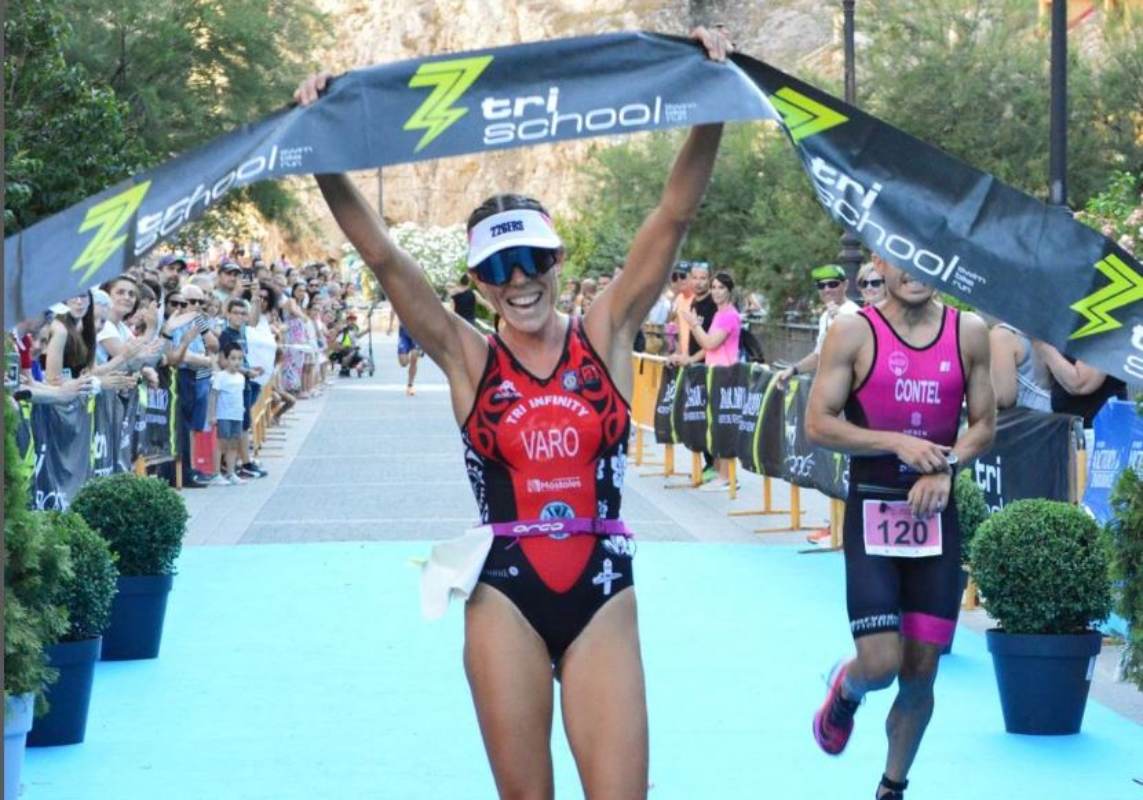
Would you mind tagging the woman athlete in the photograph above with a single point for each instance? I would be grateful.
(544, 413)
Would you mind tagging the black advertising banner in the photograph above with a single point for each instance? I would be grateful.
(690, 414)
(113, 432)
(769, 435)
(758, 379)
(1029, 457)
(153, 426)
(807, 464)
(665, 405)
(62, 441)
(727, 391)
(961, 229)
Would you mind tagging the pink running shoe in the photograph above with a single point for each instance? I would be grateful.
(833, 722)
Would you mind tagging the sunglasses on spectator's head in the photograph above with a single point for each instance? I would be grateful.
(497, 269)
(872, 283)
(829, 284)
(177, 303)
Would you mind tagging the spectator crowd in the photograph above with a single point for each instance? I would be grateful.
(219, 337)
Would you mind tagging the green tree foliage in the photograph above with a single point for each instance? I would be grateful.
(192, 69)
(759, 219)
(66, 136)
(1126, 531)
(971, 77)
(96, 90)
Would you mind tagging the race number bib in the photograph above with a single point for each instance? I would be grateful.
(892, 530)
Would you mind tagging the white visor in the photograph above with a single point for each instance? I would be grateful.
(519, 227)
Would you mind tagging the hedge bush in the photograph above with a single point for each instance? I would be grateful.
(971, 510)
(33, 566)
(143, 519)
(1126, 530)
(1042, 567)
(87, 595)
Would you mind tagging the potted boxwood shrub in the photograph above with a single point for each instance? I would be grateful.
(87, 596)
(1042, 569)
(143, 520)
(971, 510)
(33, 566)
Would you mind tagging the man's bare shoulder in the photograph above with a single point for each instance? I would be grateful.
(848, 333)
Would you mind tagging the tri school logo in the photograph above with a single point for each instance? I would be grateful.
(111, 218)
(1125, 287)
(804, 117)
(450, 80)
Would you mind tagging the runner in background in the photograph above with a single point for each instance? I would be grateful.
(899, 372)
(408, 352)
(518, 637)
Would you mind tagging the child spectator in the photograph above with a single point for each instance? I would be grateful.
(227, 389)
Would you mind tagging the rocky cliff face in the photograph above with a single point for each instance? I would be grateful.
(782, 32)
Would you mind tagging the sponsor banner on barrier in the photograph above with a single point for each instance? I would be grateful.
(690, 414)
(1118, 430)
(665, 405)
(1028, 458)
(757, 379)
(113, 432)
(972, 236)
(153, 425)
(727, 387)
(61, 436)
(804, 463)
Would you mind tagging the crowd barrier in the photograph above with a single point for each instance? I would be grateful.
(740, 413)
(67, 444)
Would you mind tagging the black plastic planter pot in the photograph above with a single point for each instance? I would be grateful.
(1043, 679)
(69, 697)
(963, 586)
(137, 613)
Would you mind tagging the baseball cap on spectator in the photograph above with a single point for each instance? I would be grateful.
(828, 272)
(170, 259)
(229, 266)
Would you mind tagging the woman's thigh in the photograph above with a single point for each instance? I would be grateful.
(604, 702)
(510, 675)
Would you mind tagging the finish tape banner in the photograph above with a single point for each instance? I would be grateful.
(958, 228)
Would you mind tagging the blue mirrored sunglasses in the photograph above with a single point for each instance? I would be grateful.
(497, 269)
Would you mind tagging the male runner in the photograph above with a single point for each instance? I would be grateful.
(899, 371)
(408, 351)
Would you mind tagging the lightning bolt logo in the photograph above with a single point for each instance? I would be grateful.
(450, 80)
(804, 117)
(1125, 287)
(110, 217)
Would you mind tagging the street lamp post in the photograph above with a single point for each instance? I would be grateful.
(850, 254)
(1058, 116)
